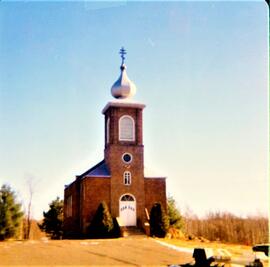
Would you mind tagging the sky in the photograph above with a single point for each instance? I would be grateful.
(200, 67)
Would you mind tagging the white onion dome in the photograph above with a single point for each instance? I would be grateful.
(123, 87)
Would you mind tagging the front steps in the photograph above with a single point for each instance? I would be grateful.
(132, 231)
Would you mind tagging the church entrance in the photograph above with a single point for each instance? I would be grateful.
(127, 211)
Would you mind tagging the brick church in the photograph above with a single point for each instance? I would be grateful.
(119, 179)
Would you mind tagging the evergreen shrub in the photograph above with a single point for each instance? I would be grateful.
(103, 225)
(10, 213)
(159, 221)
(53, 219)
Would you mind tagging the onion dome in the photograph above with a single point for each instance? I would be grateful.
(123, 87)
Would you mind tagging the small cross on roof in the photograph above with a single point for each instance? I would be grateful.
(122, 52)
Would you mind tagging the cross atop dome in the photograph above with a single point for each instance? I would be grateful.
(123, 88)
(122, 52)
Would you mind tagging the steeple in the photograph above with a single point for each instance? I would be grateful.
(123, 88)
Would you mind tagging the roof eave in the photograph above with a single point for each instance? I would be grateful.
(155, 177)
(96, 176)
(122, 103)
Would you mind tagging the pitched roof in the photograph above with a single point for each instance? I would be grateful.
(100, 169)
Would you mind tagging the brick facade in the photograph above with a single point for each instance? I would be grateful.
(155, 191)
(105, 181)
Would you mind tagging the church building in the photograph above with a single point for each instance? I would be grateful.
(120, 178)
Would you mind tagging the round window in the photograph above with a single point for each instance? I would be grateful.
(127, 158)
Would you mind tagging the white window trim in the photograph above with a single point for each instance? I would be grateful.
(127, 178)
(130, 157)
(128, 194)
(133, 129)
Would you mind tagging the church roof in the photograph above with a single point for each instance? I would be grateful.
(99, 170)
(102, 170)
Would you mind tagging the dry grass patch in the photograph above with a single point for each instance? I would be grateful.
(235, 250)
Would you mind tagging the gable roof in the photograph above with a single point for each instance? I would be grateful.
(99, 170)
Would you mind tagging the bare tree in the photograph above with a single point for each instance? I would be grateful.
(27, 224)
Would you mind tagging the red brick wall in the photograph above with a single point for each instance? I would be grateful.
(115, 113)
(117, 168)
(155, 191)
(113, 158)
(94, 191)
(72, 224)
(88, 193)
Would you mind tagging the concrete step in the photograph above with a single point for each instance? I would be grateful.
(132, 231)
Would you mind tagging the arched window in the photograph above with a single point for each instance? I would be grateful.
(127, 198)
(126, 128)
(127, 178)
(108, 131)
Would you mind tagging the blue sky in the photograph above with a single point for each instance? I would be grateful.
(201, 68)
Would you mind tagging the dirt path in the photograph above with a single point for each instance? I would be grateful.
(117, 252)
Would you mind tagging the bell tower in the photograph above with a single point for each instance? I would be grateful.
(120, 179)
(124, 150)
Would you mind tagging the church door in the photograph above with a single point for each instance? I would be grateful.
(127, 212)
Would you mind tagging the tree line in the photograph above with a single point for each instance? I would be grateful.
(227, 227)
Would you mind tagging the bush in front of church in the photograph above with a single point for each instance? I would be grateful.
(159, 222)
(102, 225)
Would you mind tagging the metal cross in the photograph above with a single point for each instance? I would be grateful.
(122, 52)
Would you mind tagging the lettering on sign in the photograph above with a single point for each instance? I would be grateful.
(127, 207)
